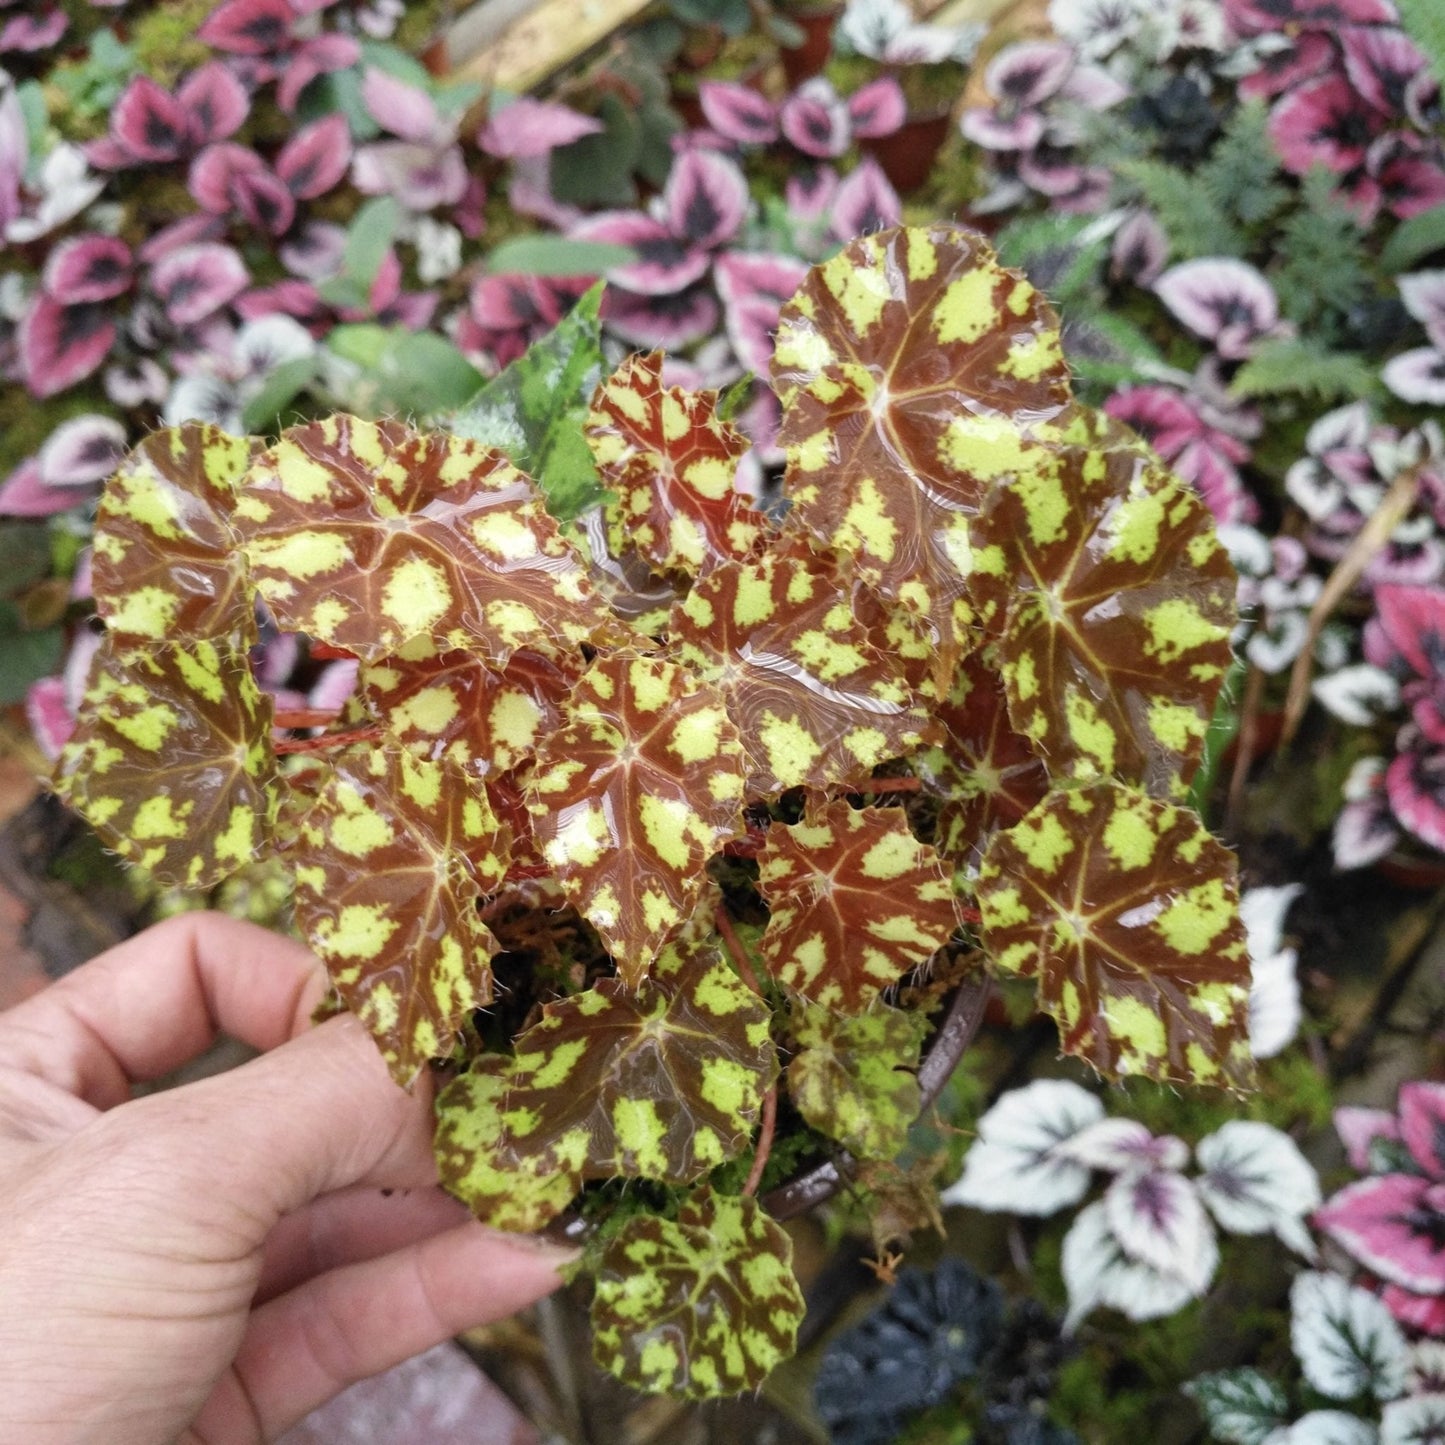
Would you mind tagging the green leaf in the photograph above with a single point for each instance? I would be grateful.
(557, 256)
(25, 656)
(596, 170)
(1223, 729)
(1242, 176)
(701, 1306)
(1194, 223)
(417, 373)
(1241, 1407)
(339, 92)
(1414, 241)
(534, 411)
(24, 553)
(1325, 265)
(280, 388)
(853, 1075)
(1425, 22)
(1289, 367)
(368, 239)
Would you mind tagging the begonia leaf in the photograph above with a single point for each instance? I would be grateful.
(805, 672)
(167, 562)
(664, 1081)
(454, 705)
(882, 348)
(1020, 1161)
(1114, 603)
(852, 1076)
(1392, 1224)
(700, 1306)
(1159, 1221)
(171, 760)
(533, 408)
(1241, 1406)
(638, 788)
(1345, 1339)
(1127, 912)
(1422, 1125)
(392, 859)
(856, 901)
(1256, 1181)
(671, 460)
(987, 774)
(366, 535)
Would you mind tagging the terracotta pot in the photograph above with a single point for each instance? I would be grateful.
(907, 156)
(1412, 870)
(801, 62)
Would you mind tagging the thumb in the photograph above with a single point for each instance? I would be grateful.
(319, 1113)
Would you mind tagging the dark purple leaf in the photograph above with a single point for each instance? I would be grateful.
(738, 112)
(248, 27)
(196, 281)
(215, 103)
(60, 345)
(87, 268)
(185, 232)
(316, 157)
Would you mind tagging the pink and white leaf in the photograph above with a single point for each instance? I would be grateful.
(1004, 131)
(24, 494)
(31, 33)
(1221, 299)
(1358, 695)
(87, 268)
(1394, 1226)
(878, 108)
(61, 345)
(1345, 1339)
(1097, 1271)
(316, 252)
(1381, 61)
(809, 194)
(1423, 293)
(1422, 1125)
(816, 120)
(865, 202)
(315, 159)
(1254, 1180)
(419, 176)
(196, 281)
(1409, 623)
(401, 109)
(528, 127)
(1415, 786)
(1122, 1145)
(149, 123)
(743, 275)
(215, 103)
(665, 264)
(676, 319)
(136, 383)
(1027, 73)
(1140, 250)
(1423, 1312)
(1358, 1129)
(216, 173)
(1417, 376)
(51, 721)
(738, 112)
(1324, 122)
(1018, 1161)
(1159, 1221)
(705, 200)
(82, 451)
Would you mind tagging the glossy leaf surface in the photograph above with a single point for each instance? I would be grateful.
(638, 788)
(171, 760)
(1127, 912)
(885, 348)
(367, 535)
(1114, 603)
(392, 859)
(788, 640)
(457, 706)
(856, 901)
(661, 1082)
(671, 460)
(852, 1076)
(166, 558)
(700, 1306)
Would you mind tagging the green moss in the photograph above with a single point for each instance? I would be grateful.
(26, 422)
(164, 39)
(420, 24)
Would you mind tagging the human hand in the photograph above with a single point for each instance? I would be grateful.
(211, 1263)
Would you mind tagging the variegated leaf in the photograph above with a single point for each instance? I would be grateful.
(663, 1082)
(856, 901)
(852, 1076)
(798, 651)
(878, 354)
(700, 1306)
(1127, 912)
(671, 460)
(456, 705)
(171, 760)
(1114, 603)
(630, 797)
(367, 535)
(390, 864)
(167, 564)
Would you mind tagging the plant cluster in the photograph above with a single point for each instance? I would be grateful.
(682, 717)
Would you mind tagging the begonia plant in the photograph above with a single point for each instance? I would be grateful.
(694, 720)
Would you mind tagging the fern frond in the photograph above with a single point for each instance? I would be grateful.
(1242, 175)
(1324, 269)
(1424, 20)
(1295, 368)
(1195, 225)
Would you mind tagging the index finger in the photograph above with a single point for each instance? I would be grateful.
(157, 1000)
